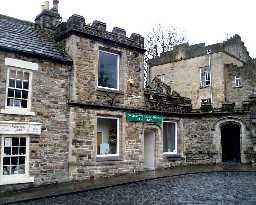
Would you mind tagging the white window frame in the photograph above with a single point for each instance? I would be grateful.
(118, 136)
(17, 178)
(21, 65)
(161, 77)
(203, 81)
(118, 67)
(237, 79)
(176, 138)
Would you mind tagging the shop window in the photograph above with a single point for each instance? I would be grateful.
(107, 136)
(170, 137)
(14, 156)
(108, 70)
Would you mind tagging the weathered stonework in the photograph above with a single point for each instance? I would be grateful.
(48, 152)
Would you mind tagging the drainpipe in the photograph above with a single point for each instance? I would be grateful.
(209, 52)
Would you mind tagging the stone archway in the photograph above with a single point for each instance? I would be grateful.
(230, 142)
(217, 137)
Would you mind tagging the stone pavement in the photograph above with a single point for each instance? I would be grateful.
(229, 183)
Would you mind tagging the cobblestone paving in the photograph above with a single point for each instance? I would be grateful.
(211, 188)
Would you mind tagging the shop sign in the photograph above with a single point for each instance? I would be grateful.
(20, 128)
(138, 117)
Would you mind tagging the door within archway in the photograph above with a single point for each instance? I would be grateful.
(230, 142)
(149, 150)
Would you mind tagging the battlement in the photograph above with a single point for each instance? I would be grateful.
(98, 31)
(233, 46)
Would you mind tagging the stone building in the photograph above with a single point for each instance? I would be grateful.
(207, 67)
(73, 107)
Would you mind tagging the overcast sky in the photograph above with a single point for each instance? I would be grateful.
(208, 21)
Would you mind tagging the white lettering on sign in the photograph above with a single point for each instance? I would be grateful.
(20, 128)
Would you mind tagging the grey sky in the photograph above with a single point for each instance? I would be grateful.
(208, 21)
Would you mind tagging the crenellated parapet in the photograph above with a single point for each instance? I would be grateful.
(98, 31)
(233, 46)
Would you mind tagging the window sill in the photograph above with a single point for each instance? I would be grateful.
(107, 158)
(173, 157)
(16, 180)
(17, 112)
(109, 90)
(204, 87)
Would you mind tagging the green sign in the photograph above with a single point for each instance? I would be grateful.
(137, 117)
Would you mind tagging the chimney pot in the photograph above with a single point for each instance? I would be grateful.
(45, 6)
(56, 5)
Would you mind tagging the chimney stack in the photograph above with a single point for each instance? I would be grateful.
(49, 18)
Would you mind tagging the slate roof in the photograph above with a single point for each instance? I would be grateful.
(26, 38)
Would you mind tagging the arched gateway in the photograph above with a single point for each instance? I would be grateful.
(230, 142)
(229, 137)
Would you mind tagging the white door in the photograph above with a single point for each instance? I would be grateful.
(149, 150)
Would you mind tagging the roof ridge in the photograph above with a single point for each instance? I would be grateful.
(2, 16)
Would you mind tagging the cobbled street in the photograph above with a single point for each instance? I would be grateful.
(206, 188)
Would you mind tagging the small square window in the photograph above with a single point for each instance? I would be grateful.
(237, 81)
(107, 136)
(108, 70)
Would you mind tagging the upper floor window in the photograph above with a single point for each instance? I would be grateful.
(170, 137)
(237, 81)
(108, 70)
(161, 77)
(18, 88)
(205, 77)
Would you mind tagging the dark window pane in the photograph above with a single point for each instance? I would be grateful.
(12, 83)
(6, 170)
(7, 150)
(6, 161)
(14, 170)
(23, 141)
(21, 160)
(14, 160)
(107, 70)
(10, 92)
(22, 150)
(25, 94)
(17, 93)
(15, 150)
(25, 85)
(24, 103)
(15, 141)
(18, 84)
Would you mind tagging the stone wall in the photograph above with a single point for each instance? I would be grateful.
(48, 152)
(248, 85)
(84, 53)
(184, 77)
(84, 163)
